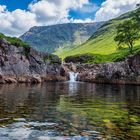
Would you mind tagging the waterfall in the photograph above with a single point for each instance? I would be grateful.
(73, 76)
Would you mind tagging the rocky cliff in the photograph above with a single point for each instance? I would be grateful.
(125, 72)
(18, 64)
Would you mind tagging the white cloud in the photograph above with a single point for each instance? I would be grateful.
(43, 12)
(88, 8)
(2, 8)
(113, 8)
(46, 12)
(16, 22)
(87, 20)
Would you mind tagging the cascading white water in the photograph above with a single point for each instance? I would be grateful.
(73, 76)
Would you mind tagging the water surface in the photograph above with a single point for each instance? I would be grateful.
(69, 111)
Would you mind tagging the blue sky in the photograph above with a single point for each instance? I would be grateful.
(23, 4)
(15, 4)
(18, 16)
(76, 14)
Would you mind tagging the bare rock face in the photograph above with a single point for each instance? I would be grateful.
(16, 67)
(125, 72)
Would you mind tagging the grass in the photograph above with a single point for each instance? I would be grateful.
(117, 56)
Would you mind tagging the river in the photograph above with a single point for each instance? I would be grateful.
(69, 111)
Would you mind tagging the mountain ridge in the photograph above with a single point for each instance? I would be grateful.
(49, 38)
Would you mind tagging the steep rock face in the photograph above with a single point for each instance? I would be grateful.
(50, 38)
(125, 72)
(36, 67)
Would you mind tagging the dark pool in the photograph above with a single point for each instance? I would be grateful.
(69, 111)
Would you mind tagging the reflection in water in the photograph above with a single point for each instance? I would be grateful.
(69, 111)
(73, 87)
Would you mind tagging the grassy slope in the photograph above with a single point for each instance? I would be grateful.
(17, 42)
(14, 41)
(102, 43)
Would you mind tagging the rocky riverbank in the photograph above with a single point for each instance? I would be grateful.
(125, 72)
(18, 66)
(34, 67)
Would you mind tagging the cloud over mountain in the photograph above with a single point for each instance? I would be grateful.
(46, 12)
(113, 8)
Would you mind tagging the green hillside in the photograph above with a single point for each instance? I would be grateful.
(102, 44)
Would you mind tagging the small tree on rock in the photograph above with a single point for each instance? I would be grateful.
(127, 33)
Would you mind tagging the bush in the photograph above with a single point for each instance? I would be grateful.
(52, 58)
(82, 58)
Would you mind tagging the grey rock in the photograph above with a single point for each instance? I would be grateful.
(125, 72)
(16, 67)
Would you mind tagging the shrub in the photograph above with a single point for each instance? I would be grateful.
(18, 43)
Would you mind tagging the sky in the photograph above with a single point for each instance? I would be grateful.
(18, 16)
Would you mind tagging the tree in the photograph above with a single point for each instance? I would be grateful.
(127, 33)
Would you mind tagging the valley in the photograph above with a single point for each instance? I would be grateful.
(70, 70)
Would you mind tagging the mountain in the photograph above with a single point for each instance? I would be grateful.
(50, 38)
(101, 44)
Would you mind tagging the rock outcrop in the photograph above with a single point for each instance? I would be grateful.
(34, 67)
(125, 72)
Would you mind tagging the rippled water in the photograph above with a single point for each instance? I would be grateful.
(69, 111)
